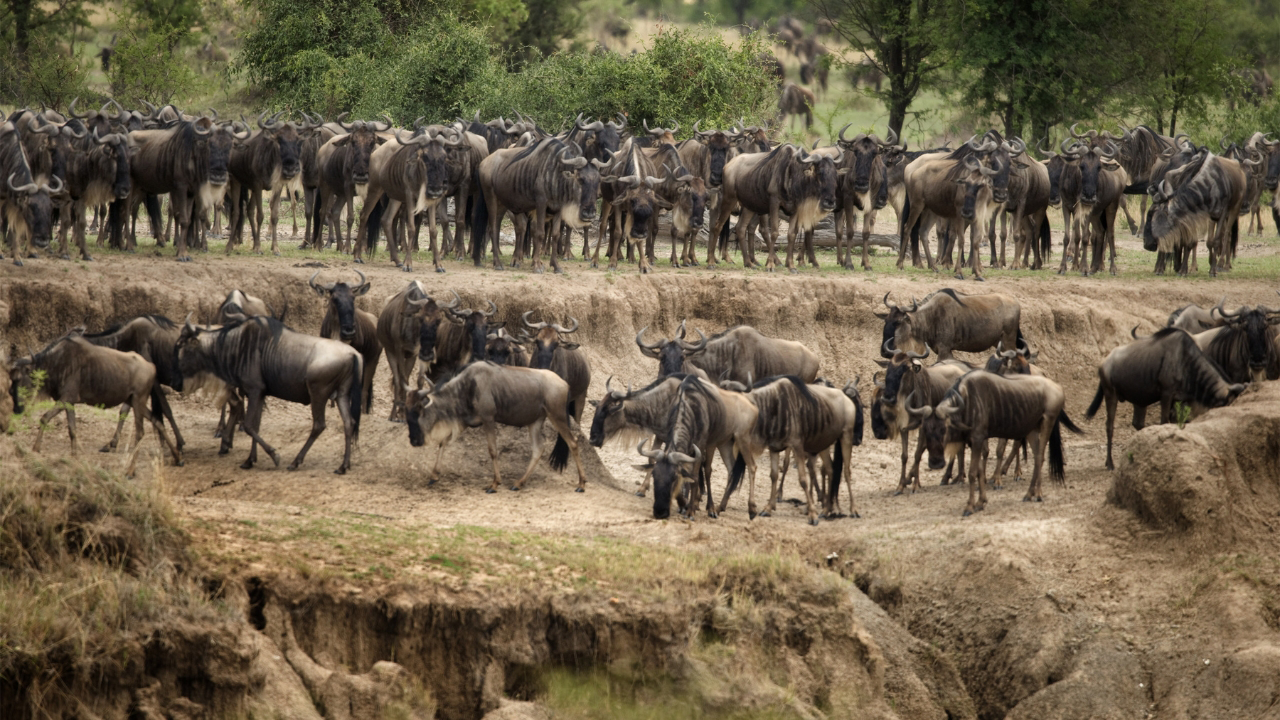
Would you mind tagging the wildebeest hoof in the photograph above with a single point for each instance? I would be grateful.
(855, 516)
(515, 488)
(899, 492)
(406, 268)
(106, 449)
(639, 493)
(276, 253)
(490, 490)
(87, 258)
(1026, 499)
(439, 269)
(292, 467)
(1039, 499)
(766, 513)
(276, 459)
(967, 512)
(224, 451)
(246, 465)
(17, 262)
(180, 463)
(979, 278)
(813, 521)
(358, 260)
(64, 256)
(579, 489)
(185, 259)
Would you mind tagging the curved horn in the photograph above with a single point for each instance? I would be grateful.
(577, 162)
(650, 348)
(920, 412)
(50, 188)
(493, 309)
(532, 326)
(1048, 153)
(567, 330)
(694, 347)
(651, 454)
(891, 140)
(456, 301)
(1109, 151)
(69, 131)
(890, 346)
(80, 116)
(919, 356)
(885, 300)
(841, 133)
(973, 143)
(27, 188)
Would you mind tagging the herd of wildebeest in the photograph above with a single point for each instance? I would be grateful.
(115, 161)
(737, 393)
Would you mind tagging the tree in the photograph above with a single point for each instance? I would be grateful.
(899, 37)
(21, 20)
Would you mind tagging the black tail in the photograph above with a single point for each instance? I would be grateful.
(735, 475)
(559, 454)
(316, 241)
(375, 224)
(1057, 463)
(1062, 418)
(858, 425)
(479, 229)
(1019, 341)
(154, 215)
(116, 212)
(357, 387)
(1097, 403)
(1046, 241)
(837, 470)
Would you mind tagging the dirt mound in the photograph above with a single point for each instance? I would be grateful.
(1214, 483)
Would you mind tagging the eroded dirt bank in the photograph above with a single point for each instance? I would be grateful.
(1075, 607)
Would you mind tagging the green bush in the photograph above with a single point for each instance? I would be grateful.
(50, 75)
(147, 66)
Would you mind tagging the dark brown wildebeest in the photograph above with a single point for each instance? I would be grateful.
(1010, 362)
(629, 416)
(670, 354)
(599, 141)
(407, 328)
(344, 175)
(705, 155)
(79, 372)
(97, 174)
(353, 326)
(1164, 368)
(188, 162)
(1181, 245)
(897, 409)
(858, 191)
(414, 175)
(152, 337)
(548, 178)
(1102, 184)
(504, 348)
(315, 133)
(981, 406)
(957, 188)
(1270, 150)
(947, 321)
(27, 209)
(1208, 186)
(740, 354)
(1029, 206)
(794, 100)
(687, 216)
(553, 351)
(784, 180)
(269, 160)
(457, 342)
(1064, 189)
(629, 203)
(1244, 347)
(1140, 151)
(260, 357)
(1195, 319)
(486, 395)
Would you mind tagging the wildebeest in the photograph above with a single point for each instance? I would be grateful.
(859, 189)
(1244, 347)
(947, 322)
(407, 328)
(549, 178)
(457, 341)
(260, 357)
(1164, 368)
(553, 351)
(315, 133)
(629, 203)
(1208, 186)
(97, 174)
(1031, 237)
(1102, 184)
(1195, 319)
(344, 175)
(795, 100)
(414, 176)
(898, 407)
(503, 348)
(981, 406)
(270, 160)
(956, 188)
(78, 372)
(486, 395)
(785, 179)
(1140, 151)
(188, 162)
(353, 326)
(28, 211)
(687, 217)
(741, 354)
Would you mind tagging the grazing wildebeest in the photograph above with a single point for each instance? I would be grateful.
(785, 179)
(1164, 368)
(1244, 347)
(79, 372)
(188, 162)
(407, 328)
(1207, 186)
(553, 351)
(28, 211)
(344, 175)
(486, 395)
(544, 179)
(97, 174)
(910, 386)
(982, 405)
(741, 354)
(152, 337)
(260, 357)
(270, 160)
(353, 326)
(795, 100)
(947, 322)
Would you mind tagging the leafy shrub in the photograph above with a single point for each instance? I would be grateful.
(50, 75)
(147, 66)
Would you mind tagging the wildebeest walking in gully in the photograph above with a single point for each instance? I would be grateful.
(78, 372)
(485, 395)
(946, 322)
(353, 326)
(1165, 368)
(260, 357)
(982, 405)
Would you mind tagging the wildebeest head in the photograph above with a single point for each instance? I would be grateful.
(599, 140)
(819, 172)
(1271, 152)
(361, 140)
(211, 145)
(900, 371)
(751, 139)
(427, 416)
(719, 151)
(548, 339)
(670, 354)
(505, 349)
(1010, 362)
(971, 185)
(586, 174)
(115, 156)
(21, 382)
(1255, 325)
(953, 412)
(431, 151)
(693, 197)
(668, 475)
(1064, 173)
(191, 355)
(864, 150)
(430, 314)
(640, 202)
(288, 142)
(475, 325)
(1093, 161)
(609, 419)
(342, 303)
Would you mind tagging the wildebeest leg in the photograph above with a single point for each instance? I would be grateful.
(997, 477)
(431, 233)
(808, 247)
(252, 417)
(562, 428)
(44, 420)
(255, 219)
(975, 256)
(157, 423)
(535, 451)
(809, 488)
(772, 505)
(771, 233)
(906, 445)
(1111, 238)
(317, 427)
(275, 221)
(1033, 490)
(115, 439)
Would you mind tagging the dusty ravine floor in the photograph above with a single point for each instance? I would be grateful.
(1068, 608)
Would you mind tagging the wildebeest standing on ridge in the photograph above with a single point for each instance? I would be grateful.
(486, 395)
(259, 356)
(78, 372)
(947, 321)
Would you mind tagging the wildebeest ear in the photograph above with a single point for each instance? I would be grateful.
(662, 203)
(842, 171)
(498, 325)
(882, 362)
(361, 290)
(882, 316)
(571, 174)
(342, 141)
(643, 468)
(916, 366)
(593, 403)
(570, 346)
(380, 140)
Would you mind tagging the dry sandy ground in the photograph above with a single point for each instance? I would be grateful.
(1066, 577)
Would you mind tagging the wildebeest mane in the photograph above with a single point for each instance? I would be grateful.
(797, 382)
(1202, 375)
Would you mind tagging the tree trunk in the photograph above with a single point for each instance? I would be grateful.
(21, 10)
(898, 108)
